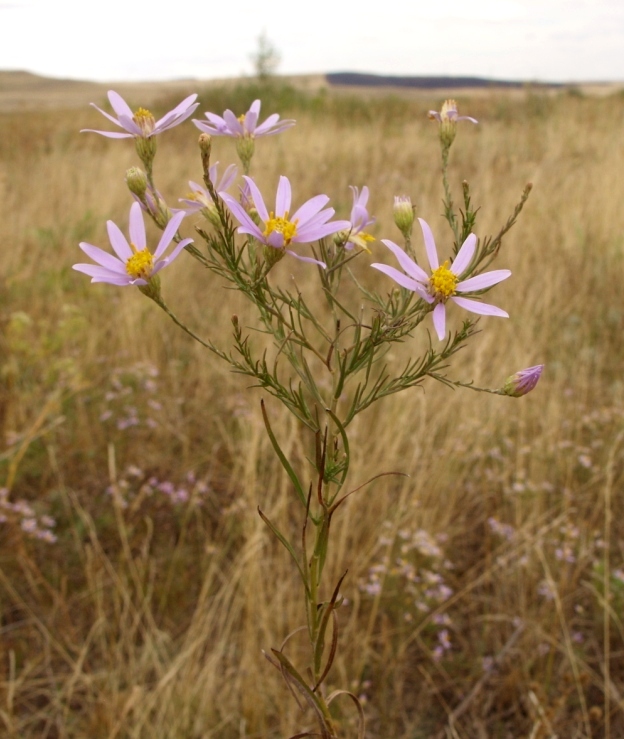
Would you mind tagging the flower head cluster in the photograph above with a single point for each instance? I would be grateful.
(244, 126)
(445, 281)
(278, 229)
(447, 118)
(199, 199)
(355, 235)
(141, 125)
(134, 263)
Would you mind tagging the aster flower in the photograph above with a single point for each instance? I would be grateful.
(355, 235)
(244, 126)
(445, 281)
(522, 382)
(134, 263)
(447, 118)
(141, 125)
(308, 223)
(199, 199)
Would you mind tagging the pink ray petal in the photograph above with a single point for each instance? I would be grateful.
(439, 320)
(464, 255)
(118, 241)
(406, 263)
(432, 253)
(487, 279)
(483, 309)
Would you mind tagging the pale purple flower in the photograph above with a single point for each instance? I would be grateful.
(134, 263)
(308, 223)
(444, 281)
(448, 114)
(141, 124)
(244, 126)
(200, 198)
(523, 381)
(355, 235)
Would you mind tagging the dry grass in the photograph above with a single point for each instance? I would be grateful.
(148, 616)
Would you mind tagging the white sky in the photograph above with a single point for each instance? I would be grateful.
(124, 40)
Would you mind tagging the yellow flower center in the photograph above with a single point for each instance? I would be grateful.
(442, 282)
(140, 264)
(145, 121)
(282, 225)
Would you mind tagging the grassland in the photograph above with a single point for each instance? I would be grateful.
(147, 615)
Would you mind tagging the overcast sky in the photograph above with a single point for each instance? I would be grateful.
(119, 40)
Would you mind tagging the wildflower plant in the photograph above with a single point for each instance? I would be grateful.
(330, 359)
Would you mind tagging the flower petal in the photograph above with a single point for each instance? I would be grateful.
(103, 258)
(234, 126)
(256, 196)
(483, 309)
(247, 225)
(310, 209)
(432, 253)
(306, 259)
(487, 279)
(283, 198)
(101, 274)
(313, 233)
(406, 263)
(118, 241)
(119, 105)
(169, 233)
(464, 255)
(108, 134)
(439, 320)
(403, 280)
(137, 227)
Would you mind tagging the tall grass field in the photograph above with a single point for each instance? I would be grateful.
(139, 587)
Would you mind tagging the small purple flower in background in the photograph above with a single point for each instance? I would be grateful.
(447, 118)
(243, 126)
(448, 113)
(142, 124)
(134, 263)
(308, 223)
(355, 235)
(200, 199)
(444, 281)
(522, 382)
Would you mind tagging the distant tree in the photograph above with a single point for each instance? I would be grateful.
(266, 58)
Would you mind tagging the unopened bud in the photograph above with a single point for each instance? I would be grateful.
(403, 212)
(255, 216)
(205, 147)
(522, 382)
(137, 182)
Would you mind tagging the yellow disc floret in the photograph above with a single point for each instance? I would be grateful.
(145, 121)
(140, 264)
(282, 225)
(443, 282)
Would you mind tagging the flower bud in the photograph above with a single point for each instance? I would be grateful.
(137, 182)
(205, 147)
(522, 382)
(403, 212)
